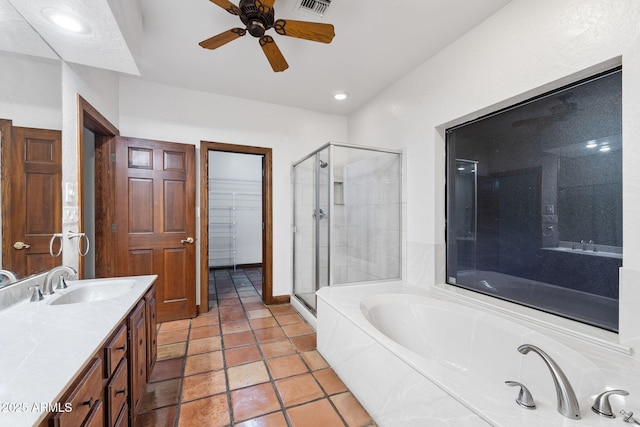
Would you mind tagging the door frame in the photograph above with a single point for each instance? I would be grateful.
(105, 132)
(5, 142)
(267, 219)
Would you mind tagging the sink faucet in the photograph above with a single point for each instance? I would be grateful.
(59, 270)
(12, 277)
(567, 401)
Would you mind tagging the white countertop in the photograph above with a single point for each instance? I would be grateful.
(44, 347)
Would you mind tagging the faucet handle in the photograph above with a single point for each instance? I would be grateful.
(36, 295)
(628, 417)
(601, 405)
(62, 284)
(524, 397)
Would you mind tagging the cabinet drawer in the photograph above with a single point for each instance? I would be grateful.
(96, 417)
(84, 397)
(123, 418)
(117, 392)
(116, 350)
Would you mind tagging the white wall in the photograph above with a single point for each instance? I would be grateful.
(525, 49)
(30, 91)
(235, 209)
(154, 111)
(100, 89)
(30, 94)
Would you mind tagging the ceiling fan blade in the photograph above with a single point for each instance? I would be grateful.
(542, 120)
(228, 6)
(223, 38)
(269, 3)
(273, 54)
(313, 31)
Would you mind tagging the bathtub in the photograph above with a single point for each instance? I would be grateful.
(415, 357)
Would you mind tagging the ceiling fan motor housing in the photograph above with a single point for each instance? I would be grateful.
(256, 16)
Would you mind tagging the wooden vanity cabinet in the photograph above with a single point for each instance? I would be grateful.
(152, 330)
(137, 355)
(84, 400)
(116, 375)
(108, 391)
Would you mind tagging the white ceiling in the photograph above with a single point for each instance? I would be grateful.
(376, 43)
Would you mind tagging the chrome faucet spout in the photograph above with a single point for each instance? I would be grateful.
(567, 401)
(10, 275)
(60, 270)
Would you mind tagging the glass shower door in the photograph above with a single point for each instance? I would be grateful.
(323, 203)
(311, 227)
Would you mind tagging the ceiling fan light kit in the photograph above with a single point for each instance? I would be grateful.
(258, 16)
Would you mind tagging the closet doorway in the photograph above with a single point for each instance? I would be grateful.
(236, 225)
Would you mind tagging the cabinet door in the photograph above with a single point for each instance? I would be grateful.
(137, 355)
(85, 398)
(117, 393)
(152, 331)
(96, 417)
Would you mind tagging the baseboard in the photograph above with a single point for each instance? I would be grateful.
(280, 299)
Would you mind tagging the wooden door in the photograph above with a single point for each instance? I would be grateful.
(155, 220)
(31, 197)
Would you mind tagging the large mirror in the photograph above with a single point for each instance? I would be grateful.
(534, 211)
(30, 84)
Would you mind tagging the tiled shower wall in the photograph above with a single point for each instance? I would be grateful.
(367, 228)
(365, 218)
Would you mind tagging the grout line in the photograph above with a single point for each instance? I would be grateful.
(232, 287)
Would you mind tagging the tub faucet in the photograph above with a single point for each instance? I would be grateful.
(59, 270)
(567, 401)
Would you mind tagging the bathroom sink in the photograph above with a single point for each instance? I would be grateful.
(101, 291)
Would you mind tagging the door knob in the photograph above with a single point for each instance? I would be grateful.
(21, 245)
(187, 240)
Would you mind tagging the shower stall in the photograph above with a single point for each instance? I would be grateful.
(347, 210)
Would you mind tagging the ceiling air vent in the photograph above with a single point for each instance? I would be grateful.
(317, 7)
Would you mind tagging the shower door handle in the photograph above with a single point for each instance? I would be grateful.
(318, 214)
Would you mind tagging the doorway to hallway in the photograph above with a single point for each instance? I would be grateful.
(264, 230)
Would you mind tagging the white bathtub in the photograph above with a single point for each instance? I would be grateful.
(415, 359)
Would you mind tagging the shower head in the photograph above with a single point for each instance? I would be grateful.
(323, 164)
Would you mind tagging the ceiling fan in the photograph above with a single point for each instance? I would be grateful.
(558, 112)
(258, 16)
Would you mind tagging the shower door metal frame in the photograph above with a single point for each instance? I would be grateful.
(317, 218)
(331, 146)
(475, 207)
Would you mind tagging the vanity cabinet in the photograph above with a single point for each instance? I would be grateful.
(137, 354)
(152, 330)
(109, 389)
(116, 374)
(83, 404)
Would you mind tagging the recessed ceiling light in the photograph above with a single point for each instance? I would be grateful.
(340, 96)
(605, 148)
(592, 144)
(66, 20)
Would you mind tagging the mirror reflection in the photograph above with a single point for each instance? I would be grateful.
(535, 202)
(30, 111)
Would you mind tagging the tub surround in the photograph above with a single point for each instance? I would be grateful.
(44, 347)
(377, 338)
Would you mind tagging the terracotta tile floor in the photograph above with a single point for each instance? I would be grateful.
(244, 364)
